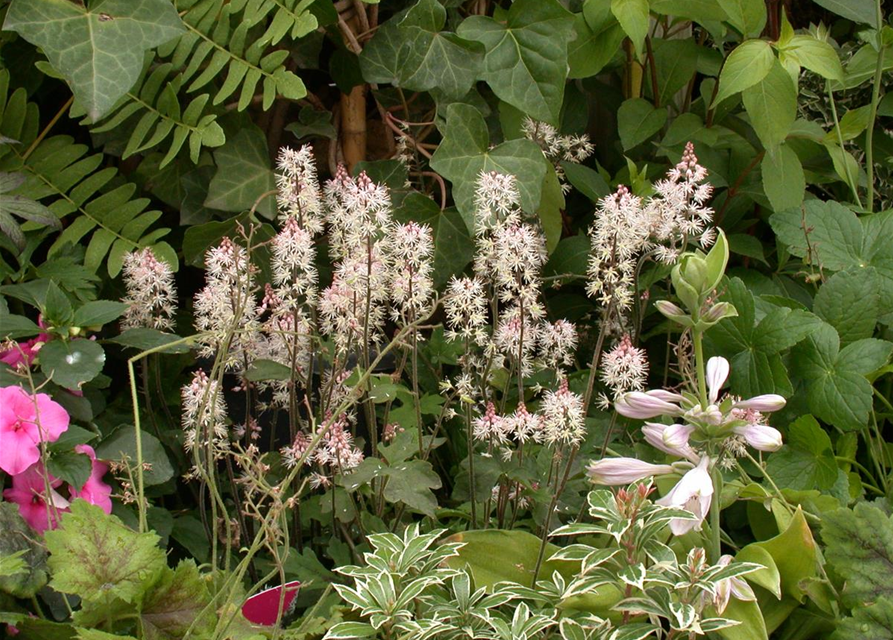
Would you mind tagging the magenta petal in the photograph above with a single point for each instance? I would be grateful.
(53, 418)
(263, 608)
(19, 451)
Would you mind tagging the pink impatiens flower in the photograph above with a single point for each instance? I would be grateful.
(29, 492)
(25, 421)
(94, 491)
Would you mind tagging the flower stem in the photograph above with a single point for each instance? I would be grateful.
(698, 339)
(715, 509)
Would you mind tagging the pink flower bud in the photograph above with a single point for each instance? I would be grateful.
(620, 471)
(717, 372)
(766, 403)
(760, 437)
(642, 406)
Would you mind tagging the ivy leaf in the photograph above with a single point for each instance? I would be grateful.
(848, 301)
(99, 50)
(436, 59)
(840, 240)
(747, 65)
(874, 622)
(638, 120)
(96, 557)
(172, 605)
(806, 461)
(465, 153)
(453, 245)
(753, 348)
(859, 545)
(71, 363)
(783, 179)
(526, 56)
(771, 104)
(411, 483)
(243, 174)
(838, 391)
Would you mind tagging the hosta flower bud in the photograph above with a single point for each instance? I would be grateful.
(719, 311)
(674, 312)
(717, 373)
(620, 471)
(760, 437)
(677, 435)
(654, 433)
(644, 405)
(766, 403)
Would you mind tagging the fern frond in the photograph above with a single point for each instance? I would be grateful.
(74, 187)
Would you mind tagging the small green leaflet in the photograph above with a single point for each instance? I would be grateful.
(98, 50)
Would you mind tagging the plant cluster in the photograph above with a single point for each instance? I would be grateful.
(408, 319)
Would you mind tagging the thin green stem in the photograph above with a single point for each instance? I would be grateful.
(875, 99)
(846, 166)
(715, 510)
(700, 368)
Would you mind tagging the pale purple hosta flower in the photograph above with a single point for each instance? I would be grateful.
(643, 405)
(557, 344)
(151, 293)
(625, 367)
(672, 443)
(761, 437)
(412, 287)
(299, 194)
(563, 416)
(612, 472)
(766, 403)
(694, 493)
(465, 304)
(717, 373)
(729, 587)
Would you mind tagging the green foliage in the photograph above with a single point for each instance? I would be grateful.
(22, 558)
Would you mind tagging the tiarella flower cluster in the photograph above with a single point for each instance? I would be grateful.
(27, 421)
(556, 147)
(623, 368)
(204, 418)
(151, 294)
(299, 194)
(705, 437)
(412, 286)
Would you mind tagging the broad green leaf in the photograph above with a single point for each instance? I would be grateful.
(95, 556)
(143, 339)
(806, 461)
(747, 16)
(313, 123)
(848, 301)
(753, 348)
(464, 153)
(550, 208)
(638, 120)
(262, 369)
(383, 59)
(851, 125)
(16, 537)
(98, 313)
(73, 468)
(497, 555)
(783, 178)
(122, 445)
(99, 50)
(71, 363)
(752, 625)
(594, 47)
(411, 483)
(526, 56)
(771, 104)
(874, 622)
(633, 16)
(697, 10)
(585, 180)
(570, 258)
(815, 55)
(13, 327)
(96, 634)
(453, 245)
(437, 59)
(840, 240)
(747, 65)
(794, 552)
(243, 175)
(767, 577)
(676, 62)
(175, 602)
(859, 11)
(838, 391)
(859, 545)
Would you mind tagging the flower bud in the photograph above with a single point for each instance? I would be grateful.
(719, 311)
(642, 406)
(717, 373)
(655, 435)
(766, 403)
(620, 471)
(676, 435)
(760, 437)
(694, 271)
(673, 312)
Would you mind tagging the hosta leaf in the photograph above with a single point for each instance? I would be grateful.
(526, 56)
(860, 548)
(243, 174)
(96, 557)
(794, 552)
(465, 153)
(99, 50)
